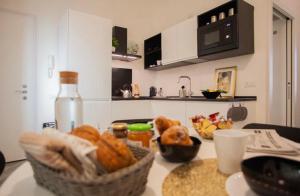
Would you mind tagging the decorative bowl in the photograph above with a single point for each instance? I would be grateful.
(211, 95)
(268, 175)
(178, 154)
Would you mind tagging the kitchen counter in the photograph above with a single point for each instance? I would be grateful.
(193, 98)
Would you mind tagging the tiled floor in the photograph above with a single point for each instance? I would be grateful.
(9, 168)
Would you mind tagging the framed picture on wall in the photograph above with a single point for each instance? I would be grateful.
(226, 80)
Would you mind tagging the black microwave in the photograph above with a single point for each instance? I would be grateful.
(218, 37)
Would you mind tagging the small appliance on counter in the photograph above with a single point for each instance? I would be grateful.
(153, 91)
(126, 93)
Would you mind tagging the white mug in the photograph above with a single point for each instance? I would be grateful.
(230, 148)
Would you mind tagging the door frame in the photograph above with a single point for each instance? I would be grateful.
(34, 19)
(291, 62)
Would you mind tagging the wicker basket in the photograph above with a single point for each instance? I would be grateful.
(130, 181)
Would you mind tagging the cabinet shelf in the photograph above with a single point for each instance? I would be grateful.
(125, 57)
(153, 51)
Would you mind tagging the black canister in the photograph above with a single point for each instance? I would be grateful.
(153, 91)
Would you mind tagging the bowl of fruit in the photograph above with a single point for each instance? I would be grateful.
(205, 126)
(212, 94)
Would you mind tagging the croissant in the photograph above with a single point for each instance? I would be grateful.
(162, 123)
(87, 132)
(113, 154)
(176, 135)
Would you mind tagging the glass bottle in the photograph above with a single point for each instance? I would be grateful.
(68, 104)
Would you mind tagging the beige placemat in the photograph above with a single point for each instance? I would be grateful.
(195, 178)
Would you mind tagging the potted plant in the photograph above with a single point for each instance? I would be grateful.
(115, 44)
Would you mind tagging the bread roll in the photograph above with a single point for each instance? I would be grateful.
(176, 135)
(87, 132)
(162, 123)
(113, 154)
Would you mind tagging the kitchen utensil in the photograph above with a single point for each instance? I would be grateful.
(238, 113)
(153, 91)
(177, 154)
(230, 148)
(222, 16)
(126, 93)
(268, 175)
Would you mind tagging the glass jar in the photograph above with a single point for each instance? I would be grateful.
(119, 130)
(140, 134)
(68, 104)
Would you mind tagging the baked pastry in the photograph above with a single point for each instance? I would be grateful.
(87, 132)
(162, 123)
(113, 154)
(176, 135)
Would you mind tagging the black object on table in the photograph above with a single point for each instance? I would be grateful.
(290, 133)
(2, 162)
(132, 121)
(268, 175)
(178, 153)
(49, 124)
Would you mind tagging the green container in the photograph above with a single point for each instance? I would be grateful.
(139, 127)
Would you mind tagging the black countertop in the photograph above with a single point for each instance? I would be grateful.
(194, 98)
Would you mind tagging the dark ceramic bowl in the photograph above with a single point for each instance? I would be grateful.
(2, 163)
(269, 175)
(178, 154)
(211, 95)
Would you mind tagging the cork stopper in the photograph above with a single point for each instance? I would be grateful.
(68, 77)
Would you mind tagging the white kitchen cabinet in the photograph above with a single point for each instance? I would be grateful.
(179, 42)
(133, 109)
(97, 114)
(168, 45)
(206, 108)
(187, 40)
(171, 109)
(85, 47)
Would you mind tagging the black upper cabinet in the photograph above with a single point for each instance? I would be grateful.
(120, 53)
(232, 36)
(228, 37)
(152, 51)
(120, 34)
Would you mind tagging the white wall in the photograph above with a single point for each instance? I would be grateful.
(143, 19)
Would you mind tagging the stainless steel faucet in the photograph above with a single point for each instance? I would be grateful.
(190, 87)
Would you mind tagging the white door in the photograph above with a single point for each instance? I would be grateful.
(17, 81)
(281, 72)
